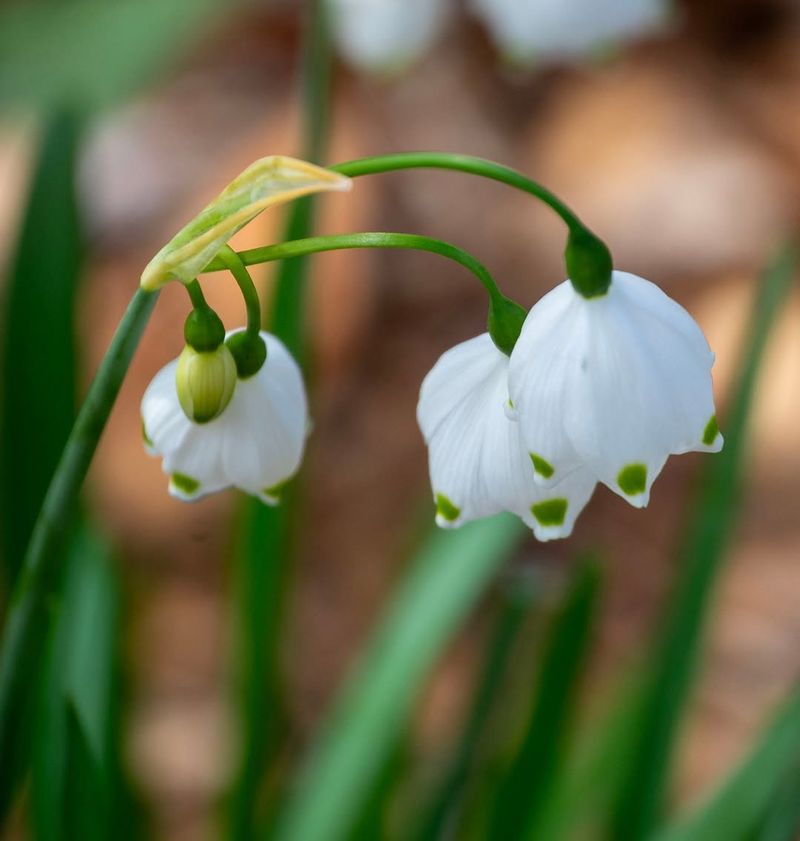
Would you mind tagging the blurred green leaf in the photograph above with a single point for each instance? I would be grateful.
(264, 562)
(38, 354)
(715, 513)
(37, 389)
(734, 810)
(73, 749)
(448, 575)
(782, 819)
(524, 789)
(514, 608)
(92, 53)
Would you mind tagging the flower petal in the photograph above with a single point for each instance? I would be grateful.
(548, 351)
(266, 182)
(460, 412)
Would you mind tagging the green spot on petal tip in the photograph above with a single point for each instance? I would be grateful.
(711, 431)
(632, 479)
(542, 466)
(185, 484)
(550, 512)
(145, 436)
(276, 491)
(446, 509)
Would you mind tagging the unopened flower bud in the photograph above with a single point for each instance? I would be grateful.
(205, 381)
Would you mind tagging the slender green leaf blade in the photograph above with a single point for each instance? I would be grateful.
(735, 808)
(447, 577)
(524, 789)
(91, 53)
(640, 804)
(514, 609)
(38, 353)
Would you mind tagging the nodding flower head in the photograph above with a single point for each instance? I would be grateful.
(613, 384)
(478, 463)
(255, 442)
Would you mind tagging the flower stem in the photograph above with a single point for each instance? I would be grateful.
(27, 601)
(196, 295)
(505, 316)
(231, 260)
(587, 257)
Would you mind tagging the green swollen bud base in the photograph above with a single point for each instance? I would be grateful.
(589, 263)
(249, 352)
(203, 329)
(505, 321)
(205, 382)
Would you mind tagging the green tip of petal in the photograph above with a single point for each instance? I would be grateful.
(145, 436)
(550, 512)
(632, 479)
(542, 466)
(446, 509)
(276, 491)
(711, 431)
(185, 484)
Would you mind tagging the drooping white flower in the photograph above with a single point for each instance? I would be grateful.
(478, 464)
(256, 443)
(614, 383)
(386, 35)
(543, 29)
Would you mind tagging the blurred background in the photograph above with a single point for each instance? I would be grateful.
(678, 144)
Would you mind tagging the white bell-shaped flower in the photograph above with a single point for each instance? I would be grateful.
(614, 383)
(386, 35)
(530, 30)
(478, 464)
(256, 443)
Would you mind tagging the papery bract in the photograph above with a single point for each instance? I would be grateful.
(614, 384)
(256, 444)
(266, 182)
(478, 464)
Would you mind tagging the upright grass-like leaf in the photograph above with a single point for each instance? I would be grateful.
(513, 610)
(37, 390)
(449, 574)
(524, 789)
(640, 804)
(264, 559)
(90, 52)
(735, 809)
(74, 764)
(38, 353)
(782, 819)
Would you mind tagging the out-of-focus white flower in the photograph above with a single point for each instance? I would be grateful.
(256, 443)
(614, 383)
(528, 30)
(386, 35)
(478, 463)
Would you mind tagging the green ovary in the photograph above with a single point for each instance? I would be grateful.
(551, 512)
(542, 466)
(711, 431)
(185, 484)
(446, 509)
(632, 479)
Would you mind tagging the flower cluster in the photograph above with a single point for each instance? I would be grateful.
(597, 389)
(602, 381)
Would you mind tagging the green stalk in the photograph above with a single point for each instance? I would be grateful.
(587, 257)
(505, 316)
(263, 562)
(237, 268)
(52, 524)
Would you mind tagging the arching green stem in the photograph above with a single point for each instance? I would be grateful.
(231, 261)
(587, 257)
(505, 316)
(196, 295)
